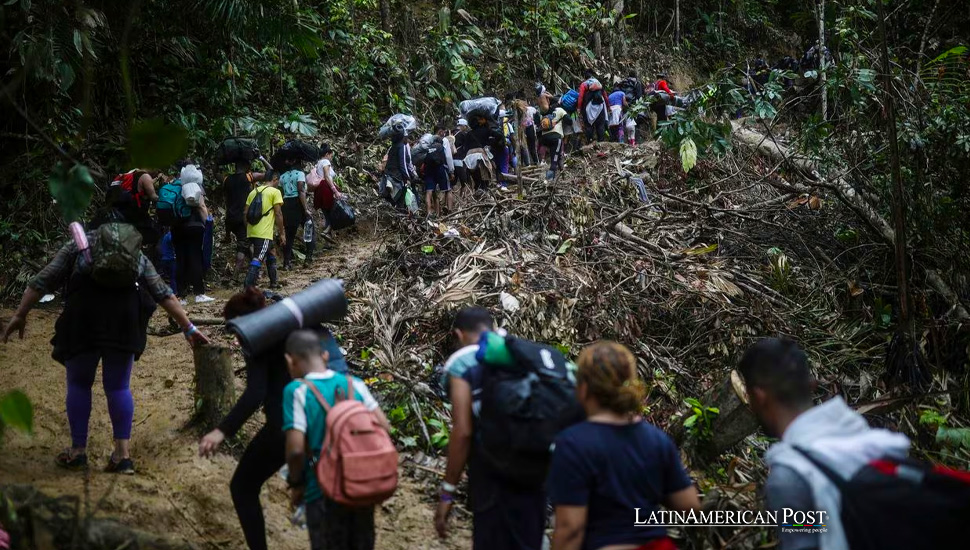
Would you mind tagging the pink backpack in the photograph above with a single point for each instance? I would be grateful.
(358, 462)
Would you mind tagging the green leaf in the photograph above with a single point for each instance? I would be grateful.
(154, 143)
(690, 421)
(427, 249)
(701, 250)
(17, 412)
(72, 190)
(953, 437)
(688, 154)
(565, 246)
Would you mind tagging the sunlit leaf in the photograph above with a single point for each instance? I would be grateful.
(688, 154)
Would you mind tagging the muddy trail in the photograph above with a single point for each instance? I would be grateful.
(176, 493)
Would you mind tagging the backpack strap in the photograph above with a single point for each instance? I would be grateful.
(316, 393)
(831, 474)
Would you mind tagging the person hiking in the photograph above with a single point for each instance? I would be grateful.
(503, 516)
(618, 106)
(188, 238)
(482, 136)
(462, 177)
(260, 233)
(110, 291)
(331, 525)
(614, 462)
(551, 124)
(236, 189)
(399, 170)
(592, 108)
(437, 170)
(296, 209)
(323, 184)
(528, 115)
(632, 87)
(780, 387)
(266, 377)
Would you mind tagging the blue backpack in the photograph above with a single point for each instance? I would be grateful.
(171, 206)
(569, 100)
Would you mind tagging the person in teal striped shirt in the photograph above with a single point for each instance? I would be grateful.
(331, 526)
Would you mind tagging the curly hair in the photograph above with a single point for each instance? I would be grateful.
(609, 371)
(244, 303)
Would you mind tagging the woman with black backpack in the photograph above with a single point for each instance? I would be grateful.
(110, 292)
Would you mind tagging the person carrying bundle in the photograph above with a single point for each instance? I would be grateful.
(592, 107)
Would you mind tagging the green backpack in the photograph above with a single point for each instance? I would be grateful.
(116, 255)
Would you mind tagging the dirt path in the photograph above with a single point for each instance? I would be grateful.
(175, 492)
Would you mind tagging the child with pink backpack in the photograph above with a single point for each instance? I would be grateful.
(341, 459)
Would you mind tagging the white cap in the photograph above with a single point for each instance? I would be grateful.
(462, 122)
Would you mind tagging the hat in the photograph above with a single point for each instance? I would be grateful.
(462, 122)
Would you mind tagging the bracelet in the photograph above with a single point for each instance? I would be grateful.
(448, 487)
(446, 497)
(191, 330)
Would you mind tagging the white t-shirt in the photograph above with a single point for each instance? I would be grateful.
(530, 114)
(323, 166)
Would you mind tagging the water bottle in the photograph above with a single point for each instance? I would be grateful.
(308, 231)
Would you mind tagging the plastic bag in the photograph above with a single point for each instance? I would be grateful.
(236, 149)
(399, 124)
(420, 149)
(191, 178)
(482, 106)
(411, 201)
(341, 216)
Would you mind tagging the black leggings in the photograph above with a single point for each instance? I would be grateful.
(530, 139)
(553, 144)
(597, 128)
(188, 259)
(294, 216)
(264, 456)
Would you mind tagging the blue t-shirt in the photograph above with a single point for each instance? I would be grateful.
(302, 412)
(462, 364)
(616, 98)
(290, 183)
(613, 469)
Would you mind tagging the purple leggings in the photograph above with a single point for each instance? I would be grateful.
(116, 377)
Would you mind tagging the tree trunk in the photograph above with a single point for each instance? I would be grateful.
(677, 26)
(820, 18)
(898, 197)
(215, 391)
(386, 15)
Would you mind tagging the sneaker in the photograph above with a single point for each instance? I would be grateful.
(124, 466)
(184, 302)
(69, 462)
(202, 298)
(504, 188)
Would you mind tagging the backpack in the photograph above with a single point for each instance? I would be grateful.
(548, 122)
(932, 504)
(255, 211)
(593, 85)
(171, 207)
(569, 100)
(630, 89)
(124, 187)
(115, 256)
(528, 397)
(358, 463)
(435, 156)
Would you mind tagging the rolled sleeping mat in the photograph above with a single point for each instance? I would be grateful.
(322, 302)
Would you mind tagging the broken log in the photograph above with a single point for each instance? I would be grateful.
(215, 391)
(733, 423)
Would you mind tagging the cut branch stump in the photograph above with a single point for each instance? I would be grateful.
(215, 391)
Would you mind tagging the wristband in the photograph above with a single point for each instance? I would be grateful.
(446, 497)
(190, 331)
(448, 487)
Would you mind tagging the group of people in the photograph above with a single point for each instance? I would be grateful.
(177, 226)
(602, 474)
(483, 146)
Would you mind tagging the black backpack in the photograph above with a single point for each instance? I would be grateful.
(524, 406)
(435, 156)
(255, 211)
(928, 505)
(630, 89)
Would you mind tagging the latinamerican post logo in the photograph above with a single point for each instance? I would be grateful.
(787, 519)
